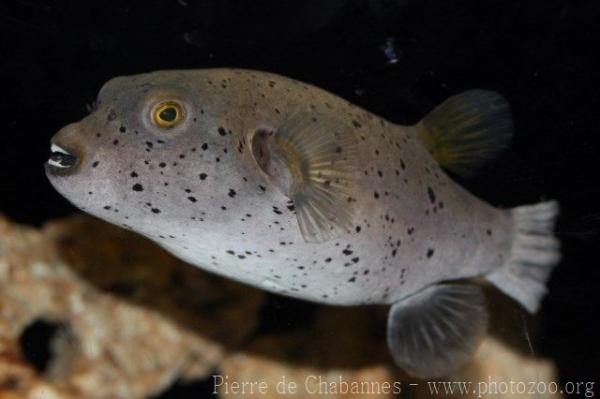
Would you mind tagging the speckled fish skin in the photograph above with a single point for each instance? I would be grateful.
(415, 226)
(198, 191)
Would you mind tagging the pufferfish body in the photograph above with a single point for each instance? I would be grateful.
(284, 186)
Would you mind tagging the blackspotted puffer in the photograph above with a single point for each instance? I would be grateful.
(284, 186)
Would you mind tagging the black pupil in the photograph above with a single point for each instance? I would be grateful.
(168, 114)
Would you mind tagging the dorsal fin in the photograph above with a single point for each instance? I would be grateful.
(313, 163)
(467, 130)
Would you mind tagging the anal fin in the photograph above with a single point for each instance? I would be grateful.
(435, 331)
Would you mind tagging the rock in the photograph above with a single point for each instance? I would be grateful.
(128, 318)
(89, 310)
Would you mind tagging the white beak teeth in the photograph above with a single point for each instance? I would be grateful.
(56, 164)
(60, 158)
(55, 148)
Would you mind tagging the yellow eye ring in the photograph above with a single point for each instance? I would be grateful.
(167, 115)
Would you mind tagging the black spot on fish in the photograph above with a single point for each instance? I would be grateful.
(122, 129)
(222, 131)
(347, 252)
(137, 187)
(231, 193)
(192, 199)
(327, 260)
(431, 195)
(203, 176)
(155, 210)
(376, 195)
(133, 174)
(357, 229)
(95, 164)
(430, 252)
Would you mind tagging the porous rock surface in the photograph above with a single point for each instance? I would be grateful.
(128, 320)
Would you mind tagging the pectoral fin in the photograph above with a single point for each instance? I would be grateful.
(313, 163)
(434, 332)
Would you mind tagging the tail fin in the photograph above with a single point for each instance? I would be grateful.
(534, 253)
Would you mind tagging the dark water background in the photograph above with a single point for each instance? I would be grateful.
(395, 58)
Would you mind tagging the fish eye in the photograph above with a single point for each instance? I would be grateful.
(167, 114)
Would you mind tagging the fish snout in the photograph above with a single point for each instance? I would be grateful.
(65, 153)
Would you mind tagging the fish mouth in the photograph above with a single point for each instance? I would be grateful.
(61, 160)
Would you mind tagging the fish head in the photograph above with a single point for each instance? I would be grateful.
(160, 151)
